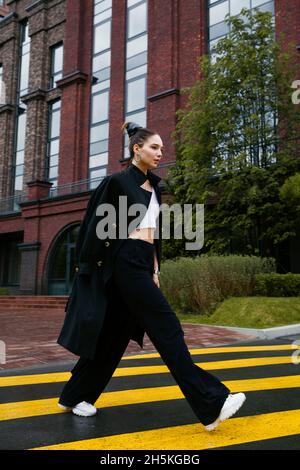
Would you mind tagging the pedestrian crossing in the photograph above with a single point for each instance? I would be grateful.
(142, 408)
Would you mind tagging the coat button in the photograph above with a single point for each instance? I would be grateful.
(114, 225)
(76, 269)
(106, 243)
(99, 263)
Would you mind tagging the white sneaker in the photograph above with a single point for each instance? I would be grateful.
(82, 409)
(231, 406)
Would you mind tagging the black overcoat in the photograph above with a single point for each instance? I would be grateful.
(87, 303)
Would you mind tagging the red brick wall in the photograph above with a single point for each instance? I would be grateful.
(75, 109)
(176, 39)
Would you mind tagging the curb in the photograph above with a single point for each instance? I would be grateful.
(264, 333)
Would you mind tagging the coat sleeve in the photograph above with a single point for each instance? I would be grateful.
(89, 244)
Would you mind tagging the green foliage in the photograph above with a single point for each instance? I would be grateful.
(4, 291)
(198, 284)
(253, 312)
(290, 190)
(277, 285)
(237, 143)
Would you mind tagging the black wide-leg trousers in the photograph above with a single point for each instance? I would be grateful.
(132, 280)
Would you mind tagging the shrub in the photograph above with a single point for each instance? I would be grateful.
(4, 291)
(277, 285)
(197, 285)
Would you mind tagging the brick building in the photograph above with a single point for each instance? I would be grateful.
(72, 71)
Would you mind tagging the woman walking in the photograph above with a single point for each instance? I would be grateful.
(118, 297)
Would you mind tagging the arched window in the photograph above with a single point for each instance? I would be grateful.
(62, 262)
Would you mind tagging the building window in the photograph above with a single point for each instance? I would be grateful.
(218, 9)
(20, 126)
(62, 263)
(53, 143)
(136, 65)
(13, 265)
(56, 70)
(2, 87)
(100, 94)
(24, 60)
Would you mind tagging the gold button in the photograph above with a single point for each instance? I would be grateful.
(77, 269)
(99, 263)
(106, 243)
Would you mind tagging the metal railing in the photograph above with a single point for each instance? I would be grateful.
(74, 188)
(10, 204)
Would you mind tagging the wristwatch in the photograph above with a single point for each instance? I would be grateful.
(156, 271)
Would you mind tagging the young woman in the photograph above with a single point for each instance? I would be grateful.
(128, 280)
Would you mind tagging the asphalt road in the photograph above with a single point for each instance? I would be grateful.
(142, 408)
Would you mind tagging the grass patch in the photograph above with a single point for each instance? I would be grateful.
(250, 312)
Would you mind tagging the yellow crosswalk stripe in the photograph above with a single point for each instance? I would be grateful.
(141, 370)
(184, 437)
(193, 436)
(26, 409)
(220, 350)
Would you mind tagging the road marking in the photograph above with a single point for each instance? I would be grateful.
(145, 370)
(27, 409)
(193, 436)
(220, 350)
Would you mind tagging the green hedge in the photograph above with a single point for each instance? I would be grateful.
(4, 291)
(199, 284)
(277, 285)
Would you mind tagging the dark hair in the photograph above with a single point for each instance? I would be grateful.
(137, 135)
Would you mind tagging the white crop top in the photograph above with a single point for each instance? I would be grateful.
(149, 220)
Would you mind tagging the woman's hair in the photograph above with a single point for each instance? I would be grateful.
(137, 135)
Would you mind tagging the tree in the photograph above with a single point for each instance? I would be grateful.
(237, 139)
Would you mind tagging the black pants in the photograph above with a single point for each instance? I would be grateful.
(132, 280)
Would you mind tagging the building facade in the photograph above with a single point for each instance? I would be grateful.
(71, 72)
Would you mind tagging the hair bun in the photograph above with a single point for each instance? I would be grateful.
(132, 128)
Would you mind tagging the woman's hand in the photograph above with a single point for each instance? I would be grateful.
(156, 279)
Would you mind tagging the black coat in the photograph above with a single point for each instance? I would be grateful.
(89, 296)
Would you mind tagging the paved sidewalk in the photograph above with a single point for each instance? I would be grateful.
(30, 338)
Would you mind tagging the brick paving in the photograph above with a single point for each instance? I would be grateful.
(30, 338)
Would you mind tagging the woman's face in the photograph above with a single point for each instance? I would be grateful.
(150, 152)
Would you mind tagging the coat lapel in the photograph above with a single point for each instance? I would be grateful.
(140, 177)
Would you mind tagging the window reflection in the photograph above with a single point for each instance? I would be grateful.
(20, 122)
(52, 159)
(56, 64)
(62, 263)
(136, 94)
(99, 130)
(137, 20)
(218, 11)
(102, 37)
(136, 65)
